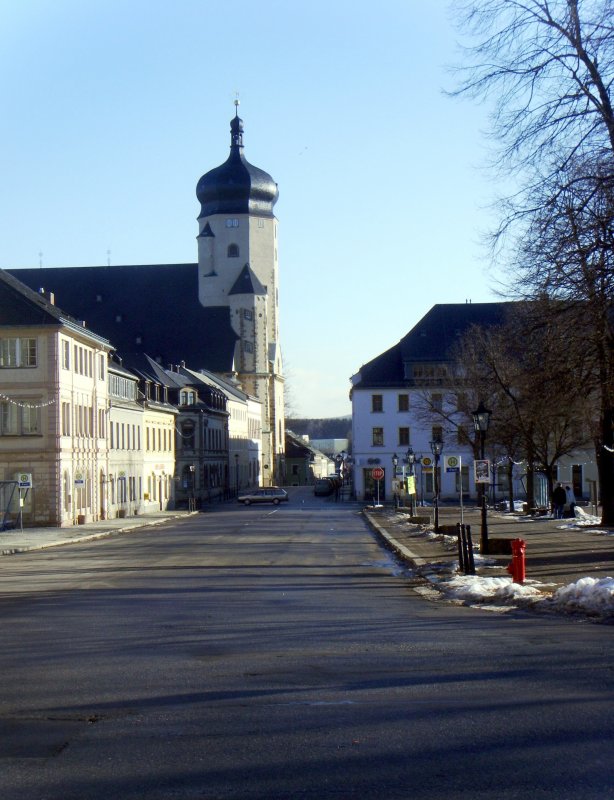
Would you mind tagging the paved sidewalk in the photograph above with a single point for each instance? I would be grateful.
(557, 554)
(16, 541)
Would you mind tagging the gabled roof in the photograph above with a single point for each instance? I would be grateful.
(297, 447)
(144, 309)
(231, 390)
(247, 283)
(431, 341)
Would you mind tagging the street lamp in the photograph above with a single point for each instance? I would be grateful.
(410, 457)
(237, 472)
(436, 450)
(481, 421)
(395, 461)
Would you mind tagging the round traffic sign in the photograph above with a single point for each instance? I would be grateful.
(377, 473)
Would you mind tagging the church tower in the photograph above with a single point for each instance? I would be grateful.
(237, 270)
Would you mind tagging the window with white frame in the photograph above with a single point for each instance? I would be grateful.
(18, 352)
(65, 354)
(19, 418)
(66, 414)
(187, 397)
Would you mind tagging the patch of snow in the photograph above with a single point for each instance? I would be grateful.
(591, 595)
(477, 589)
(581, 520)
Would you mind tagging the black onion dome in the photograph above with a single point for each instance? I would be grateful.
(237, 187)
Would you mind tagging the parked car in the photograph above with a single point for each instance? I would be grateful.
(272, 494)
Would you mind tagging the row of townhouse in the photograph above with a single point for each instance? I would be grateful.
(402, 401)
(89, 438)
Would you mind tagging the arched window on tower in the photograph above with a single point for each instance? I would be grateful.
(233, 251)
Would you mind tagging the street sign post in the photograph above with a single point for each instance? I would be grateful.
(377, 474)
(24, 484)
(454, 464)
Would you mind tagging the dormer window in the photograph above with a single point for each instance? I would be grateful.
(233, 251)
(232, 223)
(187, 397)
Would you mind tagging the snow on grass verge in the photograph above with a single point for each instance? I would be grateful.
(592, 596)
(477, 589)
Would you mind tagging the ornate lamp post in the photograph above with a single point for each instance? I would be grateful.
(481, 421)
(436, 450)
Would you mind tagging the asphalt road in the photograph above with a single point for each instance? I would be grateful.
(281, 653)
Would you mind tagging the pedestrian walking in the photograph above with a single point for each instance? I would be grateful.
(571, 500)
(559, 499)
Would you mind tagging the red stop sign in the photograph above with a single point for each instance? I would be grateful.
(377, 473)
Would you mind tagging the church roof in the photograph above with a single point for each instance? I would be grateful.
(236, 186)
(431, 341)
(150, 309)
(247, 283)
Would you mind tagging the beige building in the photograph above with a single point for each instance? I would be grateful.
(53, 405)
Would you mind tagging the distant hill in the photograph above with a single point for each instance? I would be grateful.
(335, 428)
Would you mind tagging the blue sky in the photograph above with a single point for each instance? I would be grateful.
(113, 109)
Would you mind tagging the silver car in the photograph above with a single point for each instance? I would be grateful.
(272, 494)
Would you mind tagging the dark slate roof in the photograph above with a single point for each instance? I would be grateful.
(247, 283)
(430, 341)
(236, 187)
(21, 305)
(146, 308)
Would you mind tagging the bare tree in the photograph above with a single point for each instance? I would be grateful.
(549, 65)
(537, 391)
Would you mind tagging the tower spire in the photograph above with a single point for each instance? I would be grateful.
(236, 128)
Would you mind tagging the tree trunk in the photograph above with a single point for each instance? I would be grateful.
(605, 462)
(510, 483)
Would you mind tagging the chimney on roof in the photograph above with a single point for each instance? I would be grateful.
(49, 296)
(182, 364)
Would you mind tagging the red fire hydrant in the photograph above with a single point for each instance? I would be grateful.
(517, 566)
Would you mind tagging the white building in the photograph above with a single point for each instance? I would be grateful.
(391, 396)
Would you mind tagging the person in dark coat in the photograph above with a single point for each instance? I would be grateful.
(559, 498)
